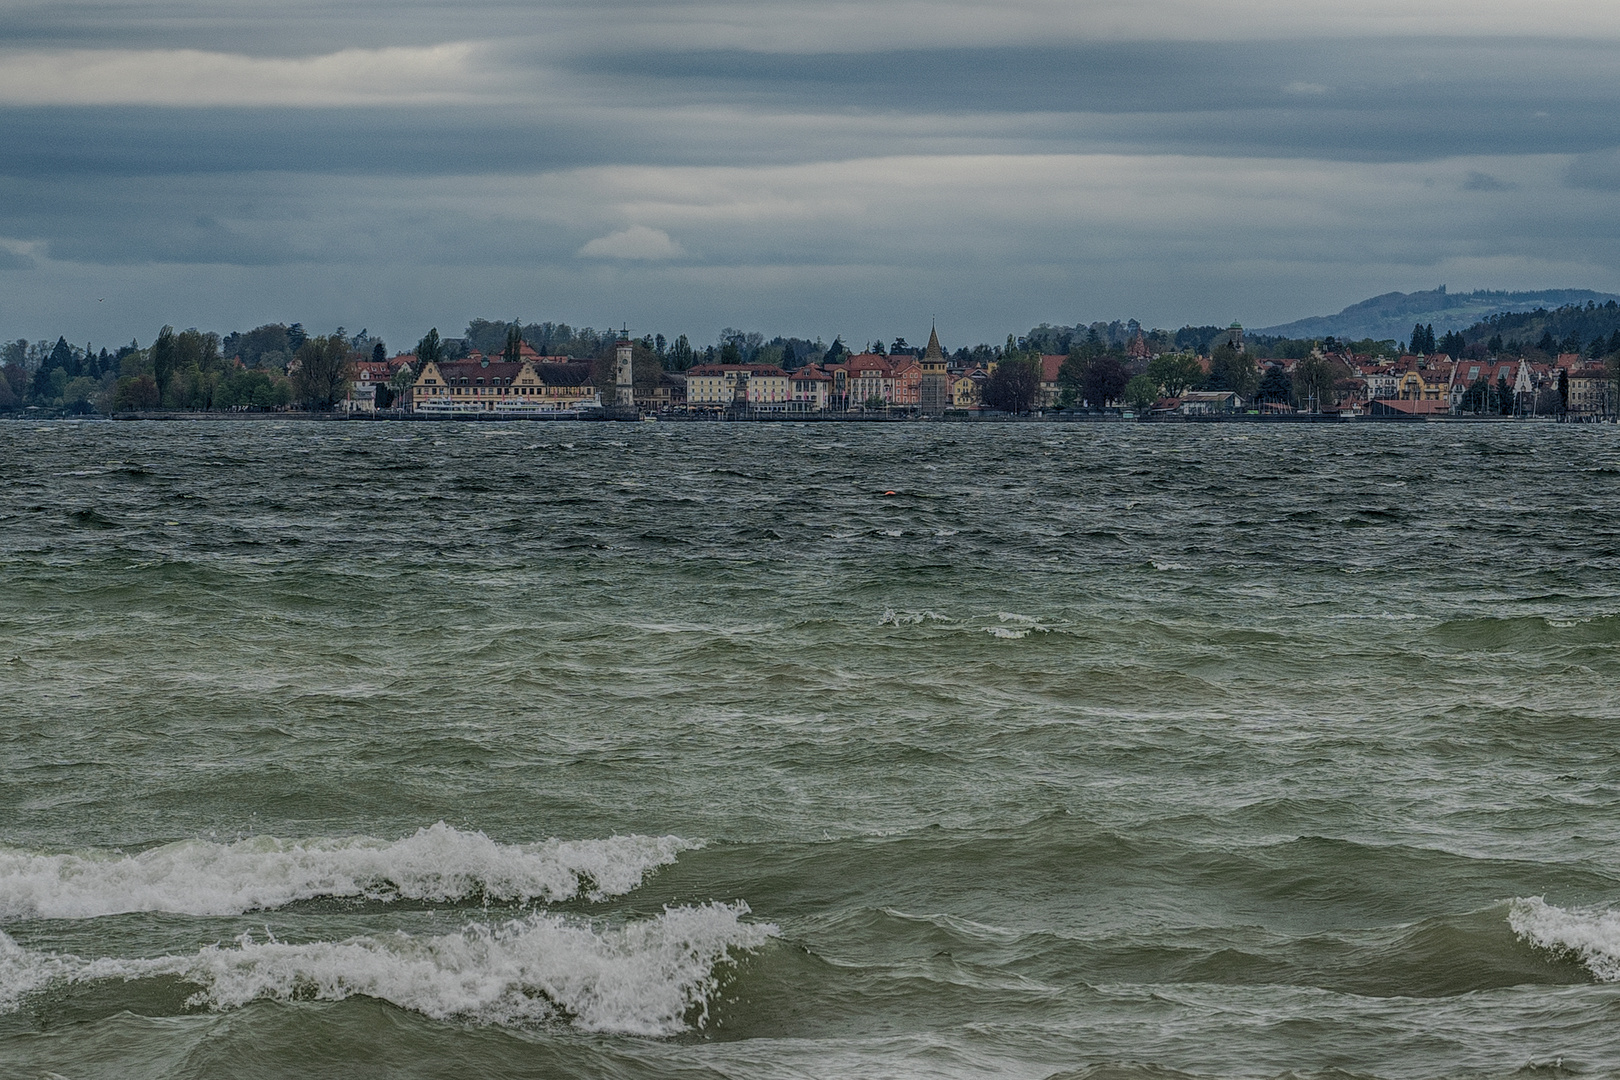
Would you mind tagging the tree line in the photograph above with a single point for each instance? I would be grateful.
(277, 365)
(183, 370)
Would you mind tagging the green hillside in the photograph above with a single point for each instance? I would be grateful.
(1394, 314)
(1571, 328)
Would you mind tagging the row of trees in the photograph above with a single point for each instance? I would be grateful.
(186, 370)
(1096, 374)
(272, 366)
(279, 364)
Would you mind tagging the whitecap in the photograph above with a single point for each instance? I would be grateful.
(439, 864)
(892, 617)
(1591, 936)
(22, 972)
(651, 977)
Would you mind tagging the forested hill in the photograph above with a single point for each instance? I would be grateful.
(1571, 328)
(1393, 314)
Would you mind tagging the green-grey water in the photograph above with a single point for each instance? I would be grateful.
(618, 751)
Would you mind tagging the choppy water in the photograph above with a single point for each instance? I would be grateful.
(619, 751)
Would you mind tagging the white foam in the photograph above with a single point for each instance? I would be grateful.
(892, 617)
(438, 864)
(1592, 936)
(1014, 626)
(644, 978)
(22, 972)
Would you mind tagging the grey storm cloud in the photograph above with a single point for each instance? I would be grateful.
(801, 164)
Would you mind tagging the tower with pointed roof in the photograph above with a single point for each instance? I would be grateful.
(934, 393)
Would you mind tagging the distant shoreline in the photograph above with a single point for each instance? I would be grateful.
(608, 416)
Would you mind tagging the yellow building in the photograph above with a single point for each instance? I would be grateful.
(965, 390)
(811, 388)
(1424, 384)
(720, 386)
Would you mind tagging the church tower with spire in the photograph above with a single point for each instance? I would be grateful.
(934, 393)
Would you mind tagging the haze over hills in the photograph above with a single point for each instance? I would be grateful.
(1392, 315)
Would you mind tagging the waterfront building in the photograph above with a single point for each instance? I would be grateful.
(484, 385)
(1524, 386)
(1382, 381)
(1408, 407)
(1589, 397)
(1492, 371)
(838, 397)
(1424, 378)
(369, 375)
(715, 387)
(668, 393)
(967, 389)
(1051, 393)
(906, 375)
(810, 389)
(870, 381)
(1210, 402)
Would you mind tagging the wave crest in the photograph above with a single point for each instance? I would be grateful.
(651, 977)
(436, 864)
(1593, 937)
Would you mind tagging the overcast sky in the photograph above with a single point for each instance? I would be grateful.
(793, 166)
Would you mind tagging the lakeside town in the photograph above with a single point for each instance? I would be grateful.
(1115, 370)
(1342, 383)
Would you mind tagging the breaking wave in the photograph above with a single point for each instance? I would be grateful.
(654, 977)
(436, 864)
(1592, 937)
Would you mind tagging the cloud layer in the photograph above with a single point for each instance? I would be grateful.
(193, 78)
(811, 166)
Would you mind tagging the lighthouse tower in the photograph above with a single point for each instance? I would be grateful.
(626, 380)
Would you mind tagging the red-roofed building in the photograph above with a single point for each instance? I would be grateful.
(906, 376)
(870, 380)
(1051, 393)
(810, 389)
(371, 376)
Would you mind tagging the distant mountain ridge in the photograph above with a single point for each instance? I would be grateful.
(1392, 315)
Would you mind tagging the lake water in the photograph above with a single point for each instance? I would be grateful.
(620, 751)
